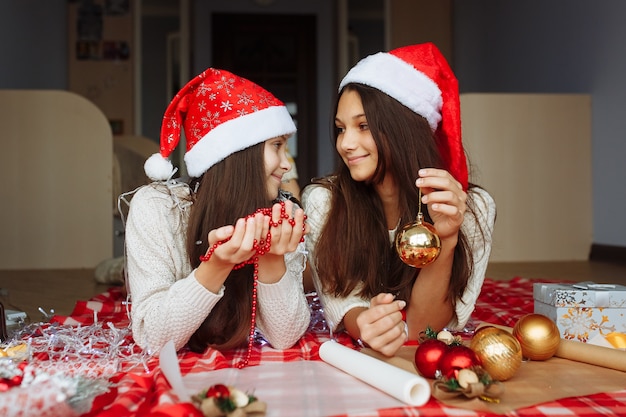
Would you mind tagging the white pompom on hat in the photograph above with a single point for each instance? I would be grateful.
(419, 77)
(221, 113)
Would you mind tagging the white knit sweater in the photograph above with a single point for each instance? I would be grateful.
(168, 303)
(316, 202)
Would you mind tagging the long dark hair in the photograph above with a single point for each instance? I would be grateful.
(354, 245)
(229, 190)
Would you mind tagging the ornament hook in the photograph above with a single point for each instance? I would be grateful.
(418, 243)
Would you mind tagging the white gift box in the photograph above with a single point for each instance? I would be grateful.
(582, 310)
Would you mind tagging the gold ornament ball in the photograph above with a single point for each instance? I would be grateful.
(538, 335)
(499, 352)
(418, 244)
(483, 330)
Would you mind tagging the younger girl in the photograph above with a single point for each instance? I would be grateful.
(212, 258)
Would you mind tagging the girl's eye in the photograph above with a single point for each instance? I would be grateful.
(339, 130)
(364, 126)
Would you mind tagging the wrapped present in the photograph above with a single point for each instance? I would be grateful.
(582, 310)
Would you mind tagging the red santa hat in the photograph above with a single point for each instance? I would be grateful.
(419, 77)
(221, 113)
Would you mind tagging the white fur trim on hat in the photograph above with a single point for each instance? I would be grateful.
(400, 80)
(237, 134)
(158, 168)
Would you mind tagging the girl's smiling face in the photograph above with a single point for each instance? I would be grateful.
(276, 164)
(355, 143)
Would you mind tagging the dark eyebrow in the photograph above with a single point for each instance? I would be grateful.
(356, 116)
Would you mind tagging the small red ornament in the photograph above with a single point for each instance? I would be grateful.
(427, 356)
(457, 358)
(218, 391)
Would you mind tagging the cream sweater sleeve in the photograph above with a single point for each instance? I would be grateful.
(168, 303)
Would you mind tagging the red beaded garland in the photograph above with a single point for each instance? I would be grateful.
(261, 248)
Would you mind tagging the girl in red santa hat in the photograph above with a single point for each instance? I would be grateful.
(398, 132)
(211, 259)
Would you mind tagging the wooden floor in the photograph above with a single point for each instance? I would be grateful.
(54, 291)
(598, 272)
(58, 290)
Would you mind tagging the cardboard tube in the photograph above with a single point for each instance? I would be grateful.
(405, 386)
(592, 354)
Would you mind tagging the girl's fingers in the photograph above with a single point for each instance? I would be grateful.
(261, 224)
(383, 333)
(239, 233)
(382, 306)
(389, 342)
(431, 179)
(298, 228)
(443, 194)
(287, 229)
(382, 298)
(265, 229)
(219, 234)
(246, 232)
(445, 202)
(237, 241)
(436, 173)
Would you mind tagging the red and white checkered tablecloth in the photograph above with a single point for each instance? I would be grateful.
(143, 390)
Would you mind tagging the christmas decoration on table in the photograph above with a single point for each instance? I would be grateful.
(538, 336)
(473, 382)
(94, 351)
(427, 357)
(26, 391)
(456, 367)
(318, 324)
(221, 400)
(498, 350)
(441, 354)
(48, 369)
(457, 358)
(418, 243)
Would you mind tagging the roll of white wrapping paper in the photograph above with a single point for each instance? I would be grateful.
(405, 386)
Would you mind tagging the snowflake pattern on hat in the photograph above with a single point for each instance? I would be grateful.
(220, 113)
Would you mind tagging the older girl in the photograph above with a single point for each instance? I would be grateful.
(397, 130)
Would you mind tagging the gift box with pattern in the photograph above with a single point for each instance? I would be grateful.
(582, 310)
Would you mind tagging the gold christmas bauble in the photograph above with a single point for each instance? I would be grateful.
(483, 330)
(538, 335)
(499, 352)
(418, 244)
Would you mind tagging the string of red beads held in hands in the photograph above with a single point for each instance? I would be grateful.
(260, 248)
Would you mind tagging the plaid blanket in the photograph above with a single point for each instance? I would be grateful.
(142, 390)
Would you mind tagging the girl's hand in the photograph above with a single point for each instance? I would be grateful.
(381, 325)
(288, 234)
(445, 198)
(240, 246)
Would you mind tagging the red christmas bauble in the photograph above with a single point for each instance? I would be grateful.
(427, 356)
(218, 391)
(457, 358)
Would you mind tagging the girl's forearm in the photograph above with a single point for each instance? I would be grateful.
(428, 306)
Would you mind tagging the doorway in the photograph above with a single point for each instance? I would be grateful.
(277, 52)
